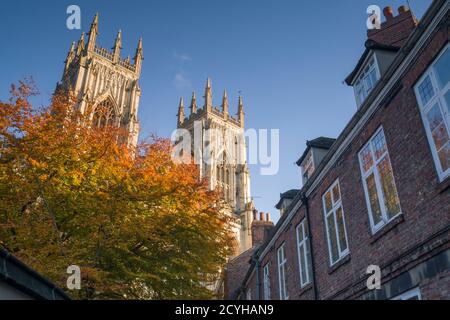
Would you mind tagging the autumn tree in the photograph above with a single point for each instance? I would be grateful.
(139, 225)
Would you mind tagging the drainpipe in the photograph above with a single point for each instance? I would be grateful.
(306, 203)
(255, 259)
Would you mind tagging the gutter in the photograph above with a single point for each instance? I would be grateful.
(26, 280)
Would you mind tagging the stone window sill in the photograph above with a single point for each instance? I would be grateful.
(305, 289)
(339, 264)
(387, 228)
(444, 185)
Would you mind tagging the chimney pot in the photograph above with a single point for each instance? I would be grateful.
(267, 216)
(261, 216)
(403, 9)
(388, 13)
(255, 214)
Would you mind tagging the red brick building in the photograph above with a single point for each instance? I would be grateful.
(377, 197)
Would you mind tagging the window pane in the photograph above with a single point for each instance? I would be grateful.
(366, 158)
(300, 233)
(373, 76)
(426, 90)
(328, 204)
(440, 136)
(434, 117)
(444, 157)
(389, 191)
(332, 237)
(341, 226)
(308, 260)
(447, 99)
(302, 264)
(336, 194)
(379, 145)
(438, 132)
(443, 68)
(373, 199)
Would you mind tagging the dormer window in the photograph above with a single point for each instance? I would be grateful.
(315, 151)
(366, 80)
(308, 166)
(372, 65)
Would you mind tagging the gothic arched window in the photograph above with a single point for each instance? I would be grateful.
(223, 174)
(104, 114)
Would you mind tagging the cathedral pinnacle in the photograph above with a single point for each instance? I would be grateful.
(181, 112)
(80, 46)
(208, 95)
(93, 33)
(139, 56)
(117, 46)
(241, 111)
(225, 103)
(193, 106)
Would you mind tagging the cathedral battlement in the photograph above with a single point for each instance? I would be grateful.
(221, 113)
(101, 80)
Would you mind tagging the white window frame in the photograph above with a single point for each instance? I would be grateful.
(282, 272)
(302, 227)
(374, 169)
(335, 207)
(266, 281)
(438, 98)
(249, 294)
(409, 294)
(361, 74)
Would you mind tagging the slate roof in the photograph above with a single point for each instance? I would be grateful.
(321, 143)
(290, 194)
(370, 45)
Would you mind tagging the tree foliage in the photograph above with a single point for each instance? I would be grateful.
(139, 225)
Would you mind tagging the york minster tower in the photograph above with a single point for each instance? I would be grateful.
(101, 80)
(219, 139)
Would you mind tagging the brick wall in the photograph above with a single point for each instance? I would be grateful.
(407, 245)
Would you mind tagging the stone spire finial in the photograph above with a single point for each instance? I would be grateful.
(70, 55)
(93, 32)
(225, 104)
(193, 106)
(208, 95)
(241, 111)
(180, 114)
(139, 56)
(80, 46)
(117, 46)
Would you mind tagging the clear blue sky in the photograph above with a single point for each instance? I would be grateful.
(289, 59)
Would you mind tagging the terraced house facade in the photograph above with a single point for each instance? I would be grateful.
(378, 195)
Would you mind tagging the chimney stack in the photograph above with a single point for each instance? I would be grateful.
(261, 228)
(388, 13)
(396, 29)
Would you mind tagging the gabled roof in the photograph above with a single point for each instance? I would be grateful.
(290, 194)
(321, 143)
(370, 46)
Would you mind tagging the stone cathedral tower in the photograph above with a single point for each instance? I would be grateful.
(226, 167)
(100, 79)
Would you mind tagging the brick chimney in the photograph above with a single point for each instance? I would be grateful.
(260, 227)
(396, 29)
